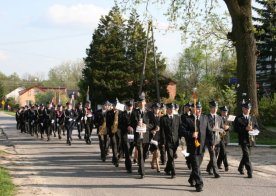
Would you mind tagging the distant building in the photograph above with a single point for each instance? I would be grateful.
(15, 93)
(27, 96)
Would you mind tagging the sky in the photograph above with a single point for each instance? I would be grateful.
(38, 35)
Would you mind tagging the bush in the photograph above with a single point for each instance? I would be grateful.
(267, 110)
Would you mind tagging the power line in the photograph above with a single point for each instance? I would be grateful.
(43, 39)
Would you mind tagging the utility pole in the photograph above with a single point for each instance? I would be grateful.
(150, 29)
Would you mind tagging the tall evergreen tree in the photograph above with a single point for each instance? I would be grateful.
(115, 58)
(104, 69)
(266, 44)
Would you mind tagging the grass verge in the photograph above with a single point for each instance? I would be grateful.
(7, 188)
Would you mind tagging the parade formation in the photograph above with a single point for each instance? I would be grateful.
(134, 130)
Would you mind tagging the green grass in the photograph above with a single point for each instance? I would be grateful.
(9, 113)
(7, 188)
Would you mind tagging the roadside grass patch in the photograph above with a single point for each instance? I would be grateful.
(7, 188)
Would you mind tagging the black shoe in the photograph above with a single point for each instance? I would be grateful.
(249, 175)
(167, 172)
(219, 167)
(116, 164)
(79, 137)
(191, 182)
(241, 171)
(59, 137)
(199, 188)
(142, 176)
(175, 156)
(129, 171)
(172, 176)
(226, 169)
(217, 175)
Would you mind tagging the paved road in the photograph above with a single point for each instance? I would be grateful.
(53, 168)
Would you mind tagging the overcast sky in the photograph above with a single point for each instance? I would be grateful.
(37, 35)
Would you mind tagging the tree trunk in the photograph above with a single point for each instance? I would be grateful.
(244, 41)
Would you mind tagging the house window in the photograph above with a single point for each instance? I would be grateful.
(28, 102)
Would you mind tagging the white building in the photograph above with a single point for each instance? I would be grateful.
(15, 93)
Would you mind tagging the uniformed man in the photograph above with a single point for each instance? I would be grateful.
(197, 130)
(26, 119)
(170, 126)
(139, 124)
(41, 120)
(88, 122)
(60, 120)
(186, 113)
(112, 122)
(79, 119)
(124, 123)
(162, 149)
(215, 122)
(48, 117)
(22, 120)
(154, 117)
(100, 124)
(69, 121)
(17, 118)
(243, 124)
(32, 119)
(222, 154)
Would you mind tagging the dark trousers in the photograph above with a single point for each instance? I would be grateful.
(141, 161)
(126, 148)
(113, 143)
(213, 160)
(163, 156)
(69, 128)
(195, 175)
(245, 161)
(171, 150)
(41, 128)
(88, 127)
(79, 127)
(222, 155)
(103, 144)
(47, 128)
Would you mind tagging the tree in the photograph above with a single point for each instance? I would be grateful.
(242, 36)
(104, 69)
(67, 74)
(190, 68)
(115, 58)
(1, 91)
(266, 44)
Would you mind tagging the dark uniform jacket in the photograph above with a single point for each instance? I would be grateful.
(134, 120)
(69, 117)
(124, 121)
(155, 121)
(240, 124)
(204, 136)
(169, 130)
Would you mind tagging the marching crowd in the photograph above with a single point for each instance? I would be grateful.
(136, 131)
